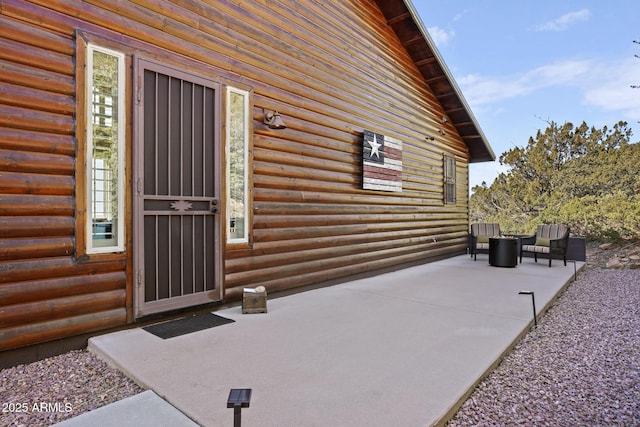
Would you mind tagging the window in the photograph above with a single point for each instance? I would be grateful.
(237, 148)
(449, 180)
(105, 150)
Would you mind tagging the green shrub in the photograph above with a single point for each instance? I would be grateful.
(586, 178)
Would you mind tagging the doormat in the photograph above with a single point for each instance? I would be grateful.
(186, 325)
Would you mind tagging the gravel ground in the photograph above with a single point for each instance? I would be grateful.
(581, 366)
(60, 387)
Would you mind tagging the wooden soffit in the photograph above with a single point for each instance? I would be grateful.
(403, 18)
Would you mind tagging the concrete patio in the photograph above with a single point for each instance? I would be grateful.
(400, 349)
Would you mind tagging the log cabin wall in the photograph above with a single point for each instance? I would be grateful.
(332, 69)
(45, 293)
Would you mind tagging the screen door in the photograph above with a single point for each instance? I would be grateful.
(176, 173)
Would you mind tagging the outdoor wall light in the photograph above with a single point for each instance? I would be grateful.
(444, 119)
(273, 120)
(441, 132)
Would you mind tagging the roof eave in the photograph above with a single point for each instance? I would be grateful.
(438, 76)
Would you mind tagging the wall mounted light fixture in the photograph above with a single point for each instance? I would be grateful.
(444, 119)
(272, 118)
(441, 132)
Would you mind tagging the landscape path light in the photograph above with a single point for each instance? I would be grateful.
(238, 398)
(533, 301)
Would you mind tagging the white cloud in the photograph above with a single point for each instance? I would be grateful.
(610, 88)
(459, 16)
(484, 90)
(602, 85)
(563, 22)
(440, 36)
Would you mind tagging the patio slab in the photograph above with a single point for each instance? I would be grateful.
(401, 348)
(144, 409)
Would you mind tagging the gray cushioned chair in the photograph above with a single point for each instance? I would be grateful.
(549, 239)
(479, 237)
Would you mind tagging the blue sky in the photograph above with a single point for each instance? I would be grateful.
(522, 63)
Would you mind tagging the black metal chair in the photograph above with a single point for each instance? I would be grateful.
(479, 237)
(549, 239)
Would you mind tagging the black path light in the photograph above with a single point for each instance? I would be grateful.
(238, 398)
(533, 300)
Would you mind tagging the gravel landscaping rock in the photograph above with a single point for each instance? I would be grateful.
(60, 387)
(613, 255)
(580, 367)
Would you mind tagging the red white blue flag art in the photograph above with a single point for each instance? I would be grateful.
(381, 162)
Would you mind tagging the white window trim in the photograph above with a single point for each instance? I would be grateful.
(120, 247)
(245, 94)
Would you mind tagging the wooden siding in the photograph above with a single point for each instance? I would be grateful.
(45, 293)
(332, 69)
(311, 220)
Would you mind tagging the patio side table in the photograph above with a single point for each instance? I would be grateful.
(503, 251)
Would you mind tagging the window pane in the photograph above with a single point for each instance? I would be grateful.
(104, 144)
(449, 179)
(237, 179)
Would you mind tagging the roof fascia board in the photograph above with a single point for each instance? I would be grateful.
(443, 65)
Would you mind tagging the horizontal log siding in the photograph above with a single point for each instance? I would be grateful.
(45, 293)
(332, 69)
(312, 222)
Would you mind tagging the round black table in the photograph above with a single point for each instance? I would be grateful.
(503, 251)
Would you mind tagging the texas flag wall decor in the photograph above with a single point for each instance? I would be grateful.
(381, 162)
